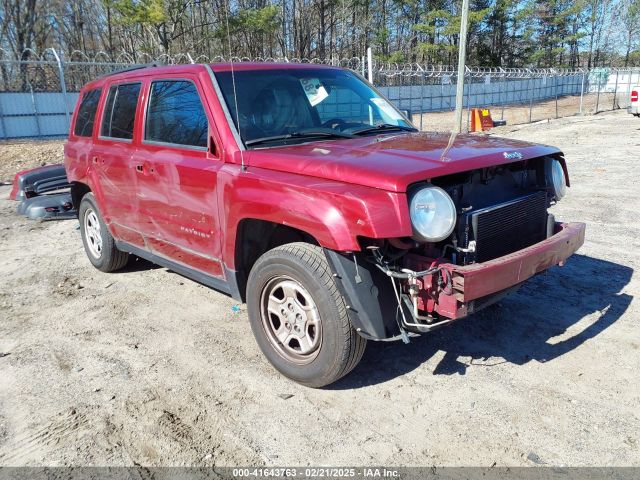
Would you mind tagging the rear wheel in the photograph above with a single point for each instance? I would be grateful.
(299, 318)
(99, 245)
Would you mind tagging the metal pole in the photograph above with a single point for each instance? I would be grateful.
(35, 109)
(401, 91)
(469, 84)
(410, 86)
(501, 99)
(462, 55)
(422, 109)
(598, 96)
(555, 87)
(284, 29)
(63, 86)
(615, 92)
(3, 125)
(370, 78)
(582, 91)
(531, 92)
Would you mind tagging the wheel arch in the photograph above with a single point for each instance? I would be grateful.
(78, 190)
(253, 238)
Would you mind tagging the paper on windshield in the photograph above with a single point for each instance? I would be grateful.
(314, 90)
(386, 108)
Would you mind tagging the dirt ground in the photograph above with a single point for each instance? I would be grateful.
(22, 155)
(146, 367)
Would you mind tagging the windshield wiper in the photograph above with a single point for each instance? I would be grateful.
(384, 127)
(298, 135)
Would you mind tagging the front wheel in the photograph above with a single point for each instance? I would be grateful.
(299, 318)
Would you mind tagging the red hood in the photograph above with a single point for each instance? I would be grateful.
(393, 162)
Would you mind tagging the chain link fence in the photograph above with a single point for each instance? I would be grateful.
(515, 95)
(37, 96)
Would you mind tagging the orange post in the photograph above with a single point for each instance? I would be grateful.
(481, 119)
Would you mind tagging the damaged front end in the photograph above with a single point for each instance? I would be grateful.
(39, 181)
(55, 206)
(502, 235)
(43, 193)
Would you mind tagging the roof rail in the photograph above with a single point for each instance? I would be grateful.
(130, 69)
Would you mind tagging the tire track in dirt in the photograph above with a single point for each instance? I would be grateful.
(156, 429)
(67, 426)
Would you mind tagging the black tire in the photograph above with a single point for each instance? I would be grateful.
(107, 258)
(339, 347)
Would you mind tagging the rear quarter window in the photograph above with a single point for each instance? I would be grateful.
(120, 111)
(175, 114)
(87, 113)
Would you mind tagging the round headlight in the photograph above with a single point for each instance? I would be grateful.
(433, 214)
(558, 180)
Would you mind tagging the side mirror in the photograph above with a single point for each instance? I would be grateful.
(408, 114)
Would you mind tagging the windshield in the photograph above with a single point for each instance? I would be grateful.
(283, 106)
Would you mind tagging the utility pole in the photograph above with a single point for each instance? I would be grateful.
(462, 56)
(284, 29)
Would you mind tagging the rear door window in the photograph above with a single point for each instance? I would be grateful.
(120, 111)
(175, 114)
(87, 113)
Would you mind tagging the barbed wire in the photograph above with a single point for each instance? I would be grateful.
(389, 69)
(141, 58)
(52, 71)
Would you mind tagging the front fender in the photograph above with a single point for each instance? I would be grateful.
(334, 213)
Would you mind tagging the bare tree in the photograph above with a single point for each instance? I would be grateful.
(502, 32)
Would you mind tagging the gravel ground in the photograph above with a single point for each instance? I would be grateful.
(22, 155)
(146, 367)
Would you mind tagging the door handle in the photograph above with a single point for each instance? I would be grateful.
(95, 160)
(139, 168)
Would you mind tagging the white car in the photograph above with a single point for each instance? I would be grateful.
(634, 108)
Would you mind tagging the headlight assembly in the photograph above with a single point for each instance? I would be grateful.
(433, 214)
(556, 178)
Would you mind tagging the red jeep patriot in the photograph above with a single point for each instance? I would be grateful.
(300, 190)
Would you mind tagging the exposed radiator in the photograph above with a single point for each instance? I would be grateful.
(505, 228)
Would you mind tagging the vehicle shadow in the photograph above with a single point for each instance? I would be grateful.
(137, 264)
(520, 328)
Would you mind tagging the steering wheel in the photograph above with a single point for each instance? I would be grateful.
(251, 129)
(334, 122)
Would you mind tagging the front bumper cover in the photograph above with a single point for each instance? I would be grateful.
(471, 287)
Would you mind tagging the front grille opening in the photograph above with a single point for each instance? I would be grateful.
(505, 228)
